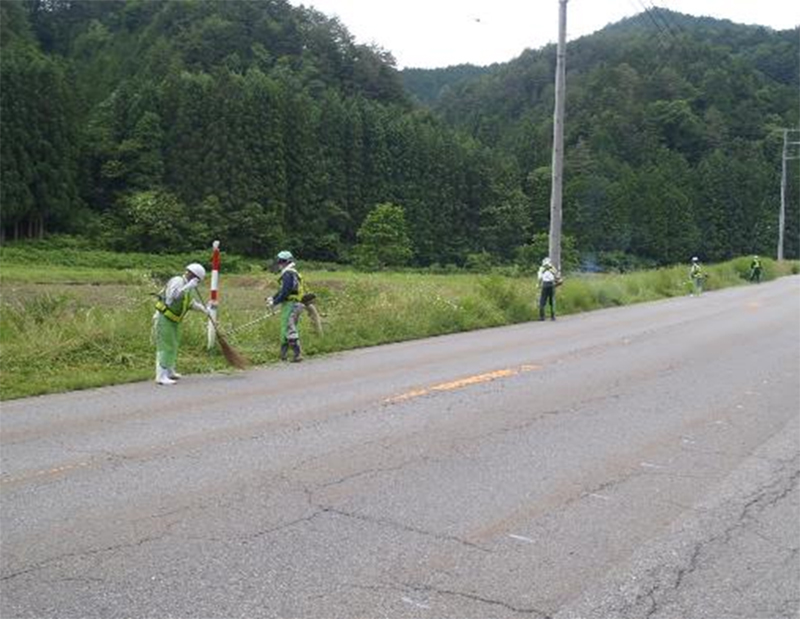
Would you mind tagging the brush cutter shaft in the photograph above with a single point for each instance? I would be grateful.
(252, 322)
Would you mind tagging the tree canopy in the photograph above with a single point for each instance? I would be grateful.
(160, 125)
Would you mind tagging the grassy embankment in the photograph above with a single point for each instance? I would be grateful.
(73, 320)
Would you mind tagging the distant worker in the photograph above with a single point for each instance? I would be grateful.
(548, 278)
(174, 301)
(755, 270)
(289, 296)
(697, 276)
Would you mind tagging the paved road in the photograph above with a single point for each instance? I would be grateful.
(636, 462)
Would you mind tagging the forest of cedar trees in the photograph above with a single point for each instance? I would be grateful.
(159, 125)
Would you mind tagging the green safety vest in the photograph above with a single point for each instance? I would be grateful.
(177, 310)
(296, 294)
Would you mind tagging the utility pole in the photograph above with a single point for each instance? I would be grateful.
(787, 141)
(558, 139)
(784, 176)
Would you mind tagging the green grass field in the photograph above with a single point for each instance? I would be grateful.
(74, 327)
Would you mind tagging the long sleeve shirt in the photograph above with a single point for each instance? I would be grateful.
(290, 283)
(178, 286)
(546, 275)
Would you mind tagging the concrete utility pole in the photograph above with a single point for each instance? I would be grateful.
(788, 141)
(558, 139)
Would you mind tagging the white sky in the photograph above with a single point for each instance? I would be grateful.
(440, 33)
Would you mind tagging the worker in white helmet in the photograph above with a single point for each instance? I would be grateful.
(547, 279)
(697, 276)
(174, 301)
(755, 270)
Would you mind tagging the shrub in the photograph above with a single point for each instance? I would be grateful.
(530, 256)
(383, 238)
(481, 262)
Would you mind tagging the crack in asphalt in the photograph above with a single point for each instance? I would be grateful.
(404, 588)
(375, 471)
(164, 533)
(428, 589)
(404, 527)
(41, 565)
(761, 500)
(282, 526)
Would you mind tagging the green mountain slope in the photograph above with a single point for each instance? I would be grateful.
(673, 133)
(157, 125)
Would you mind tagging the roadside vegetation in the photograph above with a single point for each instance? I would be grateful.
(79, 320)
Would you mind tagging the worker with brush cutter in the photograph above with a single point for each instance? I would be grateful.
(548, 278)
(289, 296)
(174, 301)
(697, 277)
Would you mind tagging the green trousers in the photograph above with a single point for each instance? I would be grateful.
(168, 339)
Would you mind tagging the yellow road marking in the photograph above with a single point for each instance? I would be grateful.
(448, 386)
(464, 382)
(44, 472)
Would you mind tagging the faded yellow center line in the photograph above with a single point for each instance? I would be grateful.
(448, 386)
(463, 382)
(43, 473)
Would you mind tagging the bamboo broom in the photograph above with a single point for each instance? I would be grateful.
(232, 356)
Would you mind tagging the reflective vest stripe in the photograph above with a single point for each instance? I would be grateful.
(297, 293)
(169, 313)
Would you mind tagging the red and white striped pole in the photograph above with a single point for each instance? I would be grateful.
(213, 302)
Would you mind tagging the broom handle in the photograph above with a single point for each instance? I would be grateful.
(208, 312)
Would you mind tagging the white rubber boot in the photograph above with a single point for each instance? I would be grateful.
(162, 377)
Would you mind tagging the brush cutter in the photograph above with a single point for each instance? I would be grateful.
(308, 301)
(247, 325)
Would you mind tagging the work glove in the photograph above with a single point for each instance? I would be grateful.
(270, 303)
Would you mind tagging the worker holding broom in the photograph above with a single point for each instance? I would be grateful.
(290, 297)
(174, 301)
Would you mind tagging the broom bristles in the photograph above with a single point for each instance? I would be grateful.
(232, 356)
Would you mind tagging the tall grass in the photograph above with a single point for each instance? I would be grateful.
(65, 328)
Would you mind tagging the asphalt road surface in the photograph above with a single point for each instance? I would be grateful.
(635, 462)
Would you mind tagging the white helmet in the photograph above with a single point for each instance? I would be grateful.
(694, 259)
(546, 262)
(197, 270)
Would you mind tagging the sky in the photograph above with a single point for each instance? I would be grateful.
(441, 33)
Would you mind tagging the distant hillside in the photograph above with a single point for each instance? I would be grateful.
(426, 86)
(158, 125)
(696, 103)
